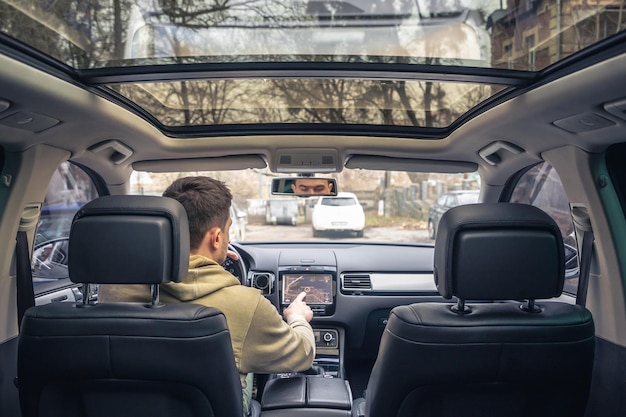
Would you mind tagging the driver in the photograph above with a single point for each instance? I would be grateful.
(262, 341)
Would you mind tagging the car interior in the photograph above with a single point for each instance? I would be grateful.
(512, 305)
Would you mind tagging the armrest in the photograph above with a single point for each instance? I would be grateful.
(284, 393)
(307, 392)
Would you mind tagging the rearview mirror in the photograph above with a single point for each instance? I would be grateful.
(304, 186)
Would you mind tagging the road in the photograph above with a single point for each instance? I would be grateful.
(256, 232)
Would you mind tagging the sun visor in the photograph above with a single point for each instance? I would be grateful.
(222, 163)
(385, 163)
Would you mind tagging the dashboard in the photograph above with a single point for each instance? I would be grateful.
(351, 286)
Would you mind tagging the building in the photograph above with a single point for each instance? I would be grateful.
(532, 34)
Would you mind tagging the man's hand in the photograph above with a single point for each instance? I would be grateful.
(232, 255)
(298, 307)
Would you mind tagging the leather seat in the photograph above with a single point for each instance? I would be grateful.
(127, 359)
(496, 351)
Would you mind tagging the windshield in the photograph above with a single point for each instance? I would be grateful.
(395, 205)
(198, 65)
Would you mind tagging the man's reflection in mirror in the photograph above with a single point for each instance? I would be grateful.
(312, 186)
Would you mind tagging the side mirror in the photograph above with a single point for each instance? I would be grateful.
(304, 186)
(49, 260)
(571, 261)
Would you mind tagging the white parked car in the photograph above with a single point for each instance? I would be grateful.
(340, 213)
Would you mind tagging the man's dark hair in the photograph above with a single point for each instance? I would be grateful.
(206, 201)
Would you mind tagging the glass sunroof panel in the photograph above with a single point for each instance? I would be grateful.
(526, 35)
(342, 101)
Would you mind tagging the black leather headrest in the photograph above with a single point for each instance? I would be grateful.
(499, 251)
(129, 239)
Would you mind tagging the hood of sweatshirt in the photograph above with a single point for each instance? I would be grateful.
(205, 277)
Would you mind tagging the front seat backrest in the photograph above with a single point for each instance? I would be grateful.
(496, 351)
(127, 359)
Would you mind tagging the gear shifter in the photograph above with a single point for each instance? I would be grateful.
(315, 370)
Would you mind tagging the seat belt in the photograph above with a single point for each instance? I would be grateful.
(24, 274)
(23, 271)
(585, 266)
(582, 223)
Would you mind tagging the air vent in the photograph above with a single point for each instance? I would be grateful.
(263, 281)
(356, 282)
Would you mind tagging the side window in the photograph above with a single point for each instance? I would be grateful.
(541, 186)
(69, 189)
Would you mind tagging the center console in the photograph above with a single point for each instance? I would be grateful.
(329, 355)
(328, 361)
(320, 285)
(321, 390)
(307, 396)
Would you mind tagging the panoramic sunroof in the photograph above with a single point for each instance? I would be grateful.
(342, 101)
(512, 34)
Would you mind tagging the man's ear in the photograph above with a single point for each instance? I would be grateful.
(219, 236)
(211, 239)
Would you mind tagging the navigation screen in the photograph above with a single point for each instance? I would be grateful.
(318, 288)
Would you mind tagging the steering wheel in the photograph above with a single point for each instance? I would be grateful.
(238, 267)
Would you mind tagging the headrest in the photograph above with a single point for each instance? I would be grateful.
(501, 251)
(129, 239)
